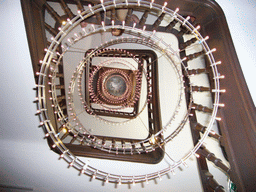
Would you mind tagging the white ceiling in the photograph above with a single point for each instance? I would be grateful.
(27, 161)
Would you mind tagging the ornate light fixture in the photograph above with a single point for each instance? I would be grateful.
(119, 85)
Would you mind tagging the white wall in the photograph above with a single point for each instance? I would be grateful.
(240, 15)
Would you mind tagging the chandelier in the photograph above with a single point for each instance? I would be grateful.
(132, 82)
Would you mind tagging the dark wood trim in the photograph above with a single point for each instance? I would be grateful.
(238, 124)
(33, 17)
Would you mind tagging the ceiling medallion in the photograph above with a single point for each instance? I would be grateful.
(116, 85)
